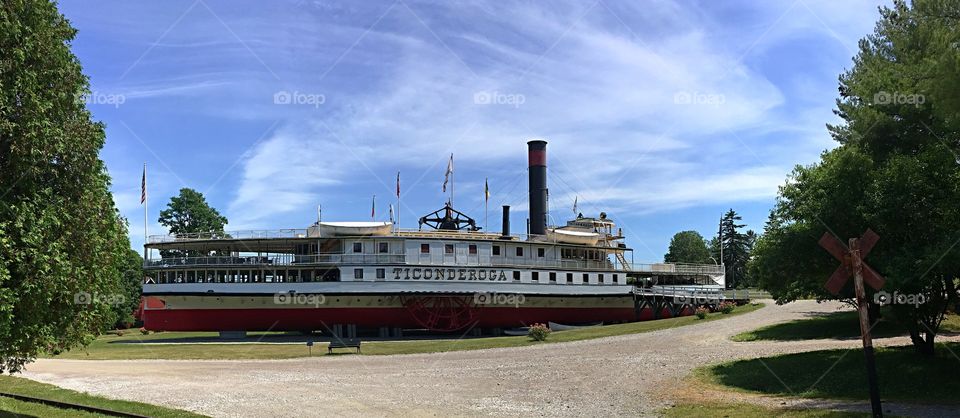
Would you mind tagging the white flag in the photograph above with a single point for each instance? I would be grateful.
(575, 205)
(446, 176)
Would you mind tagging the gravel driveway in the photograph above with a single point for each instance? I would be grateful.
(630, 374)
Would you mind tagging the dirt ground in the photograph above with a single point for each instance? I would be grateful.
(626, 375)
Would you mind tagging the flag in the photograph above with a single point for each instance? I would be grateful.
(143, 185)
(398, 185)
(446, 176)
(391, 212)
(486, 190)
(373, 208)
(575, 205)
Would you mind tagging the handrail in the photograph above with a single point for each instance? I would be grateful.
(336, 259)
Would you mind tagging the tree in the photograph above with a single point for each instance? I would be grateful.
(895, 171)
(190, 213)
(687, 247)
(737, 247)
(62, 241)
(131, 280)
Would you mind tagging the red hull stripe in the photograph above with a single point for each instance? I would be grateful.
(320, 319)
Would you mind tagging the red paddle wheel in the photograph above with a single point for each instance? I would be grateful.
(441, 313)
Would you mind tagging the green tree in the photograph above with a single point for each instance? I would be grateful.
(62, 242)
(131, 281)
(687, 247)
(190, 213)
(895, 171)
(737, 247)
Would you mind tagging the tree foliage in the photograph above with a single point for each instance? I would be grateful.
(187, 213)
(60, 234)
(895, 171)
(687, 247)
(737, 247)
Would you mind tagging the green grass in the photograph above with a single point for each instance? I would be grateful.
(836, 325)
(11, 408)
(111, 347)
(741, 410)
(841, 374)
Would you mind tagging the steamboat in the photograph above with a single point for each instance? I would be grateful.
(446, 276)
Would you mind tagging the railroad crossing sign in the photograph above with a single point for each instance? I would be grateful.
(846, 269)
(851, 258)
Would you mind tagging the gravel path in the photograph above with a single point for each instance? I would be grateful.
(630, 374)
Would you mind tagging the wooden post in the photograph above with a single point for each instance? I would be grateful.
(857, 265)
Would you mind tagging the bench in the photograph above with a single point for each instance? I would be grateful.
(339, 343)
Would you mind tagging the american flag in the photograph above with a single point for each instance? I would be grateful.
(143, 185)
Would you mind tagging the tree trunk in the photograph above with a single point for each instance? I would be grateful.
(923, 342)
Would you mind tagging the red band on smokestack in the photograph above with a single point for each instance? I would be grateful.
(537, 157)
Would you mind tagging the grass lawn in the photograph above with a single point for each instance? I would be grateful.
(13, 408)
(841, 374)
(836, 325)
(112, 347)
(741, 410)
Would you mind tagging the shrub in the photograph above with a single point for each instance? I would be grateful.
(538, 332)
(701, 312)
(727, 307)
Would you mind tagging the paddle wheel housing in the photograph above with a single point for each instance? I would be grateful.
(441, 313)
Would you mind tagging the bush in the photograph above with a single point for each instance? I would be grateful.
(727, 307)
(538, 332)
(701, 312)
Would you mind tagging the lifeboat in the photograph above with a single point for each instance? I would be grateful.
(573, 236)
(349, 229)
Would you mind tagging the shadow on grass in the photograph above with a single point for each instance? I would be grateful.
(835, 325)
(841, 374)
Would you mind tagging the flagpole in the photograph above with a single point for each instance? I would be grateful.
(398, 202)
(146, 253)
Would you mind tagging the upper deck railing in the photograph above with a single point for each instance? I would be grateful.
(393, 259)
(304, 233)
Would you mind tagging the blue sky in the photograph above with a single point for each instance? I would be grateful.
(663, 114)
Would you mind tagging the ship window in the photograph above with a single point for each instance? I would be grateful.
(569, 277)
(358, 274)
(519, 251)
(540, 252)
(472, 248)
(516, 275)
(553, 276)
(424, 248)
(535, 276)
(600, 278)
(384, 247)
(496, 250)
(448, 249)
(381, 273)
(615, 278)
(358, 247)
(191, 276)
(586, 278)
(307, 276)
(294, 275)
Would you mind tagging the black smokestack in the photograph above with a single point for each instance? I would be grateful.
(537, 157)
(506, 221)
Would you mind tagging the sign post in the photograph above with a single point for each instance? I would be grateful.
(852, 264)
